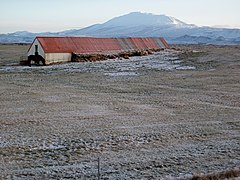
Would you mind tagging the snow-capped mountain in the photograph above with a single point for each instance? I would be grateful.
(138, 24)
(133, 24)
(143, 19)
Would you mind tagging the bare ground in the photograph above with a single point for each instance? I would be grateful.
(161, 116)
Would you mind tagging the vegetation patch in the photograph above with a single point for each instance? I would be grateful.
(197, 59)
(216, 176)
(101, 57)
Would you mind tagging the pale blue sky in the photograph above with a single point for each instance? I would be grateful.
(57, 15)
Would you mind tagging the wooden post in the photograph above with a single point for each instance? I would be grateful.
(98, 168)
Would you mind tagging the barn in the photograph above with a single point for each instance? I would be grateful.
(50, 50)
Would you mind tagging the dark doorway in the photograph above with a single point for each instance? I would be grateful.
(37, 59)
(36, 50)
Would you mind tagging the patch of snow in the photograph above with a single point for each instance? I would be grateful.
(186, 68)
(55, 147)
(177, 61)
(121, 74)
(50, 147)
(174, 21)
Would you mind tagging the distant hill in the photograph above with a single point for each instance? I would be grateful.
(138, 24)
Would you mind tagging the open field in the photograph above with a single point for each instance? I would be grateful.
(161, 116)
(10, 53)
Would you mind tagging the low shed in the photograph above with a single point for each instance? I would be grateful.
(52, 50)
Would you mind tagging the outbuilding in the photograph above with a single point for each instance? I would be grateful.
(50, 50)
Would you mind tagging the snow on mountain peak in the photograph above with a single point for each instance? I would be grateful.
(175, 21)
(143, 19)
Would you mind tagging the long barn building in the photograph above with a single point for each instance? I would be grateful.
(52, 50)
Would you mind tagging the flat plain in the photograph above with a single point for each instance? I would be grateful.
(164, 116)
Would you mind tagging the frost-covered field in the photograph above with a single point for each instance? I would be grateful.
(163, 60)
(159, 116)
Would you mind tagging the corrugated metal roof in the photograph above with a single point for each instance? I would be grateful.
(165, 42)
(87, 45)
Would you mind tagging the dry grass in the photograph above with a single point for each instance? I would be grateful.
(230, 174)
(11, 53)
(56, 121)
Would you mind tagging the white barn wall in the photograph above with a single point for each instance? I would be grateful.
(40, 49)
(51, 58)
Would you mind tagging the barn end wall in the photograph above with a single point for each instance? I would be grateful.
(40, 49)
(52, 58)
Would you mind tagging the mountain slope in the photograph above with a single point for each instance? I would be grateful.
(146, 19)
(134, 24)
(138, 24)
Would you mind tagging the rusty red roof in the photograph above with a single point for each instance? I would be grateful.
(86, 45)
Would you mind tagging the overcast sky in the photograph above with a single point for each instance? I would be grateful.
(58, 15)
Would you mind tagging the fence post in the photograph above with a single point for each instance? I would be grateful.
(98, 168)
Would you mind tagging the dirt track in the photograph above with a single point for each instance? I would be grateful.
(144, 117)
